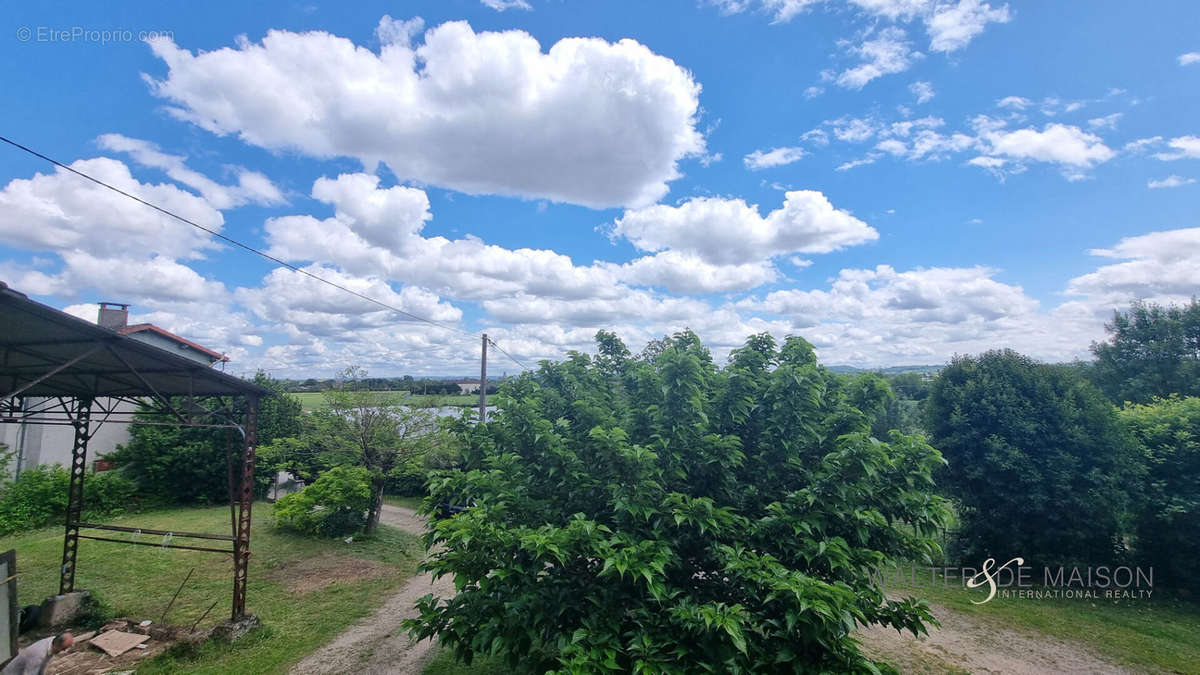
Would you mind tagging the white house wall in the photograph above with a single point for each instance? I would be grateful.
(48, 445)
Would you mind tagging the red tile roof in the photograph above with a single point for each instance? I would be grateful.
(139, 327)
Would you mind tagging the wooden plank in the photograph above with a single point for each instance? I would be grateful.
(116, 642)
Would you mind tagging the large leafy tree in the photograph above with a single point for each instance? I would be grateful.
(658, 515)
(1167, 433)
(1036, 459)
(1152, 351)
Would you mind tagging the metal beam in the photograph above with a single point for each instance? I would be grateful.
(150, 543)
(162, 399)
(45, 343)
(145, 530)
(241, 545)
(83, 408)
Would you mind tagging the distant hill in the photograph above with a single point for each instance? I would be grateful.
(890, 370)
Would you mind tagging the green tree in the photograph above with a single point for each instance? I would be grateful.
(187, 464)
(910, 386)
(1167, 432)
(1037, 460)
(871, 394)
(336, 504)
(373, 430)
(684, 520)
(612, 356)
(1152, 351)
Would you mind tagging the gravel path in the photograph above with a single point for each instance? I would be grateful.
(965, 644)
(376, 645)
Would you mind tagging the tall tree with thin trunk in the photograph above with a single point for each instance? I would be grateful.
(375, 430)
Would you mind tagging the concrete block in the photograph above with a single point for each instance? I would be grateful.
(235, 629)
(63, 610)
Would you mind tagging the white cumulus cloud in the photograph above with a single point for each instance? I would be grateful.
(1161, 266)
(252, 187)
(1183, 147)
(732, 232)
(888, 53)
(1056, 143)
(773, 157)
(1170, 182)
(1014, 102)
(62, 212)
(502, 5)
(588, 121)
(952, 27)
(923, 91)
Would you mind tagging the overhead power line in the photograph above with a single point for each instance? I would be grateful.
(231, 240)
(251, 249)
(502, 351)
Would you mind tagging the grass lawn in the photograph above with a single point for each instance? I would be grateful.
(413, 503)
(315, 400)
(289, 587)
(444, 664)
(1160, 633)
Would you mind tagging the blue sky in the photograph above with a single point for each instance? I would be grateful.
(896, 180)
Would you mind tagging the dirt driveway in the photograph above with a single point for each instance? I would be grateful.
(376, 645)
(963, 644)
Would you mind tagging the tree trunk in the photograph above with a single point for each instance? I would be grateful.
(376, 504)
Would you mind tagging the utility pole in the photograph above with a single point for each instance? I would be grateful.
(483, 381)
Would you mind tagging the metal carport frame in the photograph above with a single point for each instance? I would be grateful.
(56, 369)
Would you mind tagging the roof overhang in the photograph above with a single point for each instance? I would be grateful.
(47, 352)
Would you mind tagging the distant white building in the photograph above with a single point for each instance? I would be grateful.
(467, 386)
(38, 444)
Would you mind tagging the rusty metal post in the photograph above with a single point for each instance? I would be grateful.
(241, 542)
(83, 410)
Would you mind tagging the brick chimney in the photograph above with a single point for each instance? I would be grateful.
(113, 315)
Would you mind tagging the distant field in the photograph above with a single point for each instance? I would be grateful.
(315, 400)
(433, 401)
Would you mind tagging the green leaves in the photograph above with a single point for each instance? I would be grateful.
(657, 515)
(1167, 436)
(1036, 458)
(1153, 351)
(335, 505)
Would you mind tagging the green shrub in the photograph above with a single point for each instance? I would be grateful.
(660, 515)
(335, 505)
(109, 492)
(407, 480)
(39, 496)
(1168, 526)
(1037, 460)
(187, 464)
(6, 458)
(34, 498)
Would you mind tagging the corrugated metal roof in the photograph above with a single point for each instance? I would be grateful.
(88, 360)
